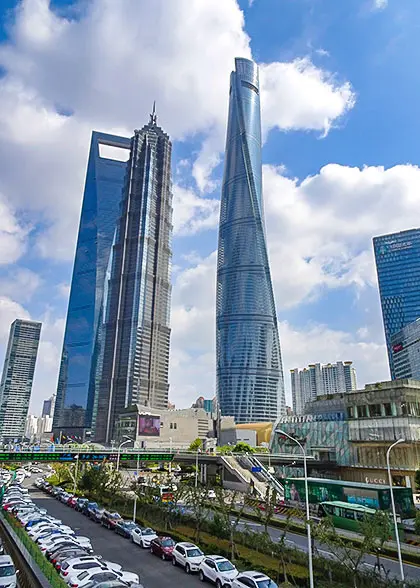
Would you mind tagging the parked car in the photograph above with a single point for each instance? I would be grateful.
(87, 508)
(253, 580)
(8, 573)
(72, 501)
(95, 514)
(143, 536)
(163, 547)
(188, 556)
(124, 528)
(62, 554)
(72, 567)
(81, 503)
(110, 519)
(87, 576)
(218, 570)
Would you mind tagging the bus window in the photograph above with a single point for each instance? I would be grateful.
(349, 514)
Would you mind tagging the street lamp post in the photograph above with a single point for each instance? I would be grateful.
(128, 440)
(394, 514)
(196, 467)
(76, 457)
(170, 450)
(308, 526)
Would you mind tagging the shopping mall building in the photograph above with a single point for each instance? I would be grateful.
(354, 431)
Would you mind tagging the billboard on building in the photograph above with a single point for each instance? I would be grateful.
(149, 425)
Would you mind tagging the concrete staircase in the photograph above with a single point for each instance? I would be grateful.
(244, 476)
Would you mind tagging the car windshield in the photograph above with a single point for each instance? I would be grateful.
(148, 532)
(130, 525)
(225, 566)
(7, 571)
(194, 552)
(266, 584)
(168, 543)
(115, 516)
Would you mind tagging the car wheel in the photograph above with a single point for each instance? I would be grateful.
(163, 556)
(202, 576)
(187, 569)
(132, 539)
(218, 583)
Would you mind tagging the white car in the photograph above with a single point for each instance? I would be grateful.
(218, 570)
(57, 539)
(187, 555)
(75, 565)
(7, 572)
(253, 580)
(143, 536)
(87, 576)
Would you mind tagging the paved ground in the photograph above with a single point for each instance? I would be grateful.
(153, 572)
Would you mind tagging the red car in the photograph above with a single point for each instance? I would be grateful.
(163, 547)
(72, 501)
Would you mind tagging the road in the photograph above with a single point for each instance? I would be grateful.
(300, 542)
(153, 572)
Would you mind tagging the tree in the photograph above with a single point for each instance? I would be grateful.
(266, 508)
(196, 499)
(242, 447)
(374, 530)
(228, 516)
(101, 482)
(195, 445)
(417, 480)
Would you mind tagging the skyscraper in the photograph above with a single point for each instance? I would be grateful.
(77, 383)
(17, 378)
(48, 406)
(137, 320)
(320, 380)
(249, 369)
(397, 259)
(406, 351)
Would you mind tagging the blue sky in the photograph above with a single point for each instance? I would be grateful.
(340, 118)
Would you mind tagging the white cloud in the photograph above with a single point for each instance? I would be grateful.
(179, 53)
(192, 213)
(380, 4)
(320, 230)
(19, 284)
(9, 311)
(299, 95)
(12, 234)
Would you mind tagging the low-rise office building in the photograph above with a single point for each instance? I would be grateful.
(169, 428)
(355, 430)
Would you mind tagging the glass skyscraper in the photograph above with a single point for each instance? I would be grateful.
(249, 369)
(17, 378)
(137, 312)
(77, 384)
(406, 351)
(397, 259)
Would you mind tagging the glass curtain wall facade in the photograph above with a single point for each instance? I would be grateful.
(77, 383)
(397, 259)
(137, 321)
(406, 351)
(249, 369)
(17, 378)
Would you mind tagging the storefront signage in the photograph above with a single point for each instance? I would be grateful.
(375, 480)
(313, 418)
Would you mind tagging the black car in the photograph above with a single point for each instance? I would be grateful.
(49, 553)
(1, 548)
(124, 528)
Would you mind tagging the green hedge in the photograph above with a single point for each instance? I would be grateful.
(44, 565)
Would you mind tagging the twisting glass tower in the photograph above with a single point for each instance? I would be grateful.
(135, 361)
(249, 369)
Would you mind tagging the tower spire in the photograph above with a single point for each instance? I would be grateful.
(153, 116)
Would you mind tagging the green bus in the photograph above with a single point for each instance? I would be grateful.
(348, 516)
(376, 496)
